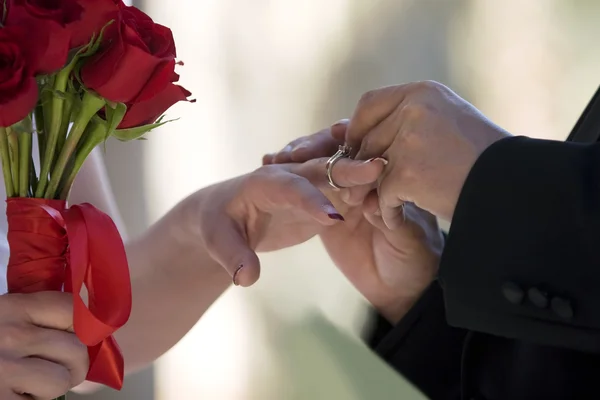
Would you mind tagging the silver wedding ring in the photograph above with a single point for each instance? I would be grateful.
(343, 152)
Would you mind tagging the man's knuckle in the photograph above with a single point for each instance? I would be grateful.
(427, 85)
(368, 97)
(414, 112)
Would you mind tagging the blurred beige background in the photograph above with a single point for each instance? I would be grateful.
(267, 71)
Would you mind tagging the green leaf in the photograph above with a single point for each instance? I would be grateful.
(114, 115)
(136, 133)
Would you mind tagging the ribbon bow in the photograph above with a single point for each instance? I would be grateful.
(55, 248)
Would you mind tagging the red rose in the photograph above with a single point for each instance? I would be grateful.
(52, 18)
(96, 14)
(150, 105)
(18, 87)
(136, 50)
(136, 66)
(66, 24)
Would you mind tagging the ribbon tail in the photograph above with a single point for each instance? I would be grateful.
(106, 364)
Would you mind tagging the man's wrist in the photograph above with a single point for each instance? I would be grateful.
(394, 312)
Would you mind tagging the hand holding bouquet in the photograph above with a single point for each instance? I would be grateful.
(72, 74)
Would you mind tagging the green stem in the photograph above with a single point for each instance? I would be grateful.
(13, 151)
(4, 155)
(55, 107)
(24, 162)
(90, 105)
(94, 135)
(64, 128)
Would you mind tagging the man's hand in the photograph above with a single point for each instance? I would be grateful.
(431, 138)
(391, 268)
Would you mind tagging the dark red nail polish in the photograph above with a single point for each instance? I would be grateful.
(336, 216)
(235, 274)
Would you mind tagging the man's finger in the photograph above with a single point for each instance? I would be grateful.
(390, 199)
(381, 137)
(372, 109)
(338, 130)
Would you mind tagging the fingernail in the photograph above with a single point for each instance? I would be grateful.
(343, 121)
(336, 216)
(383, 160)
(235, 275)
(286, 149)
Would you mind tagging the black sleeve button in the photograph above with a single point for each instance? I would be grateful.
(512, 292)
(537, 297)
(562, 307)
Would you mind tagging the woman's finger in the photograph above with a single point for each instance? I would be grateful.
(278, 189)
(227, 244)
(60, 347)
(318, 145)
(41, 379)
(45, 309)
(321, 144)
(346, 173)
(268, 158)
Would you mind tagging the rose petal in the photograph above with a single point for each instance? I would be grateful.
(44, 41)
(120, 73)
(20, 105)
(158, 81)
(147, 112)
(62, 12)
(96, 14)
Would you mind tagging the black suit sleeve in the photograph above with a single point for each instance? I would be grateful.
(522, 258)
(422, 347)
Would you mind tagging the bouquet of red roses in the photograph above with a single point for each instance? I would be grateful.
(72, 74)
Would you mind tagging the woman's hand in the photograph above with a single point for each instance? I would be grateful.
(40, 356)
(274, 207)
(391, 268)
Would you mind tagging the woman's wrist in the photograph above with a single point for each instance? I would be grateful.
(173, 243)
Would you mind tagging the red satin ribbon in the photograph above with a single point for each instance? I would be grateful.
(55, 248)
